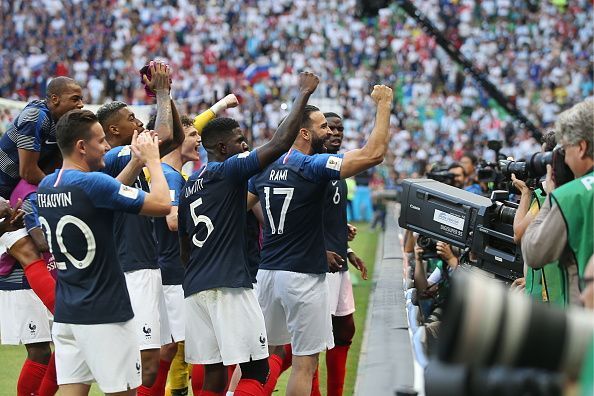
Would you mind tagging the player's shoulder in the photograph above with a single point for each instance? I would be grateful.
(119, 151)
(48, 180)
(33, 112)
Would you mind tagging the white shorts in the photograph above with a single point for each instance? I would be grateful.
(296, 310)
(174, 304)
(104, 353)
(342, 302)
(23, 318)
(10, 238)
(148, 303)
(224, 325)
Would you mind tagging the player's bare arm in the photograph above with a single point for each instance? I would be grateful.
(160, 84)
(28, 167)
(356, 161)
(287, 131)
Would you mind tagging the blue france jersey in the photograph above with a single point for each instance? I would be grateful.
(292, 192)
(212, 213)
(77, 211)
(134, 234)
(34, 130)
(336, 233)
(172, 270)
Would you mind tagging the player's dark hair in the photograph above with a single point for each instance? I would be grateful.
(58, 85)
(217, 130)
(471, 156)
(108, 112)
(305, 117)
(186, 121)
(331, 114)
(72, 127)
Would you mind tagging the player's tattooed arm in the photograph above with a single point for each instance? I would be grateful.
(160, 84)
(287, 131)
(178, 134)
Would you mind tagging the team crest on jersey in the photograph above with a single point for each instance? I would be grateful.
(334, 163)
(128, 192)
(32, 328)
(147, 331)
(262, 340)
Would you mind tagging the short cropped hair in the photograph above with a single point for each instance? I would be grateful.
(331, 114)
(577, 124)
(72, 127)
(58, 85)
(186, 121)
(217, 130)
(549, 140)
(305, 117)
(471, 156)
(108, 112)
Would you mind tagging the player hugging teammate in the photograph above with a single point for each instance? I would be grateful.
(133, 300)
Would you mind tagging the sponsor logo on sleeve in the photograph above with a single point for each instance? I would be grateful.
(128, 192)
(334, 163)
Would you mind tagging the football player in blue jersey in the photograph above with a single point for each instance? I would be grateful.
(293, 290)
(30, 141)
(134, 235)
(217, 282)
(336, 236)
(93, 331)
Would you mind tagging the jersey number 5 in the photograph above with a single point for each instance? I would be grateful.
(200, 219)
(288, 193)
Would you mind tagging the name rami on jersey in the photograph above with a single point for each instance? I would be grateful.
(276, 175)
(54, 200)
(196, 186)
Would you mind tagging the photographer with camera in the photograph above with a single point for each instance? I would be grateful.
(563, 228)
(546, 284)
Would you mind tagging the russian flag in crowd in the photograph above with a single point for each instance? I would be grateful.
(253, 73)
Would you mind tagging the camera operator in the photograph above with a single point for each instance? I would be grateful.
(546, 284)
(563, 228)
(469, 162)
(458, 173)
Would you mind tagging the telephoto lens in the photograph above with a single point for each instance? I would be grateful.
(486, 325)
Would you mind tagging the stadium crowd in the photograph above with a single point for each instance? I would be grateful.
(539, 57)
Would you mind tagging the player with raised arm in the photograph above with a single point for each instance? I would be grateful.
(134, 235)
(217, 282)
(342, 302)
(93, 331)
(293, 291)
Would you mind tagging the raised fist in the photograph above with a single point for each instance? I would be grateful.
(308, 82)
(230, 101)
(158, 77)
(382, 94)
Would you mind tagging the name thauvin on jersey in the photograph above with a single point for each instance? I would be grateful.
(196, 186)
(276, 175)
(57, 200)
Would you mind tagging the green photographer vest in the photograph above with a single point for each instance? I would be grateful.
(533, 275)
(576, 201)
(553, 279)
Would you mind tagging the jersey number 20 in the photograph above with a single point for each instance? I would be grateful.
(87, 233)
